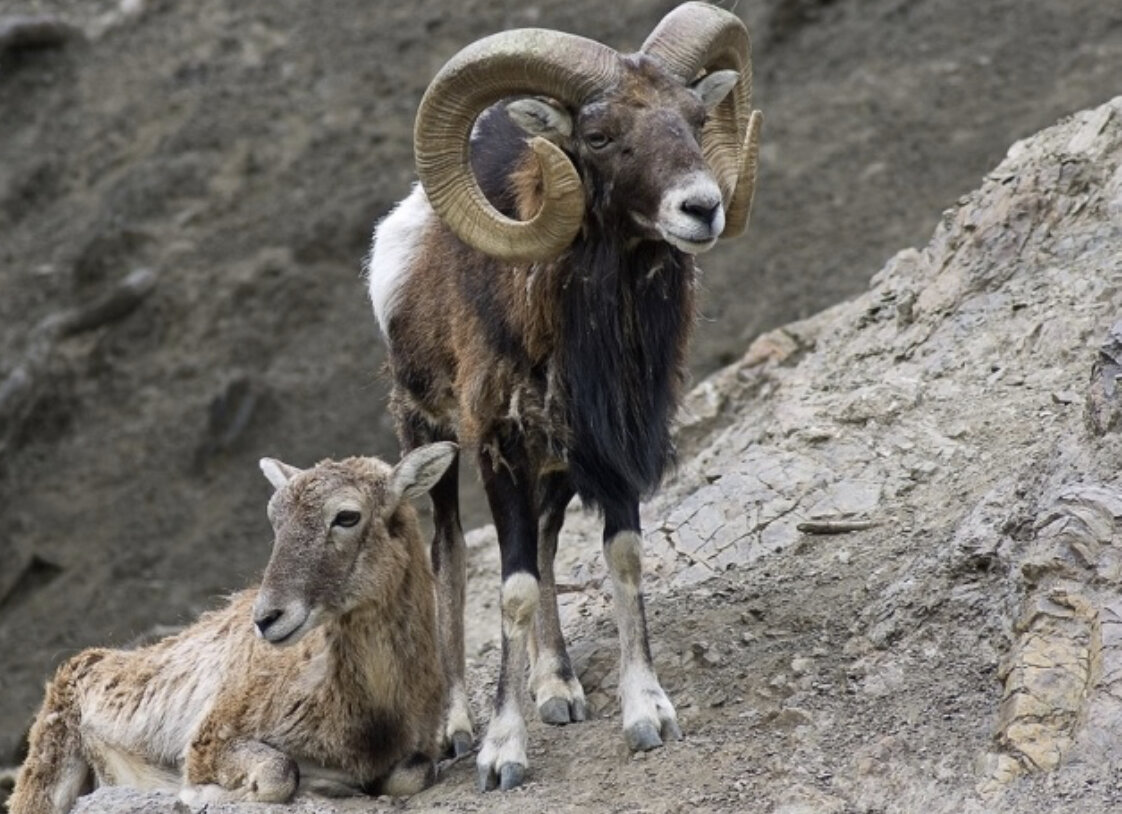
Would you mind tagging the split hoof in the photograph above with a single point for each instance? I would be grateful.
(558, 711)
(510, 776)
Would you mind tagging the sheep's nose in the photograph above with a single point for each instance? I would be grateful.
(702, 209)
(265, 620)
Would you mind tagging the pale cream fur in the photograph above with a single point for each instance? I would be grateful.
(220, 714)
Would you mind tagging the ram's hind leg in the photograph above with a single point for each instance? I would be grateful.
(56, 771)
(242, 770)
(508, 481)
(648, 715)
(449, 555)
(557, 691)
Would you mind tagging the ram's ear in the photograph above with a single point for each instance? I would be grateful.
(419, 471)
(277, 472)
(714, 87)
(541, 117)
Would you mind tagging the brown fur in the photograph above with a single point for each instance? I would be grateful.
(238, 718)
(562, 375)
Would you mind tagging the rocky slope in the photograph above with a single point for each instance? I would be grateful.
(886, 576)
(186, 190)
(240, 152)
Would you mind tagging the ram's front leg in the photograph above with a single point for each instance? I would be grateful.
(508, 481)
(648, 715)
(219, 770)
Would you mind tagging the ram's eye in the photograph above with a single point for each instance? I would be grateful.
(598, 140)
(346, 519)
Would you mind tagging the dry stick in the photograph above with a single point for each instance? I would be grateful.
(835, 526)
(17, 391)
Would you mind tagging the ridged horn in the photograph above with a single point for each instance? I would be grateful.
(698, 38)
(523, 61)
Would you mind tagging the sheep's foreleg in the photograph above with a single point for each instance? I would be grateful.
(648, 715)
(409, 776)
(243, 770)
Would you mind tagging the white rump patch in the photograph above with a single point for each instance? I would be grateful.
(397, 239)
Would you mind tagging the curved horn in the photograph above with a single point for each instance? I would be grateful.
(525, 61)
(697, 37)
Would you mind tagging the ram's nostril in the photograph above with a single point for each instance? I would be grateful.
(266, 620)
(702, 209)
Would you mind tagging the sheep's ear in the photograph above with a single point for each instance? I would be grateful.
(420, 470)
(714, 87)
(277, 472)
(537, 117)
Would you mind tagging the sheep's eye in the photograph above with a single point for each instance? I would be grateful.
(597, 140)
(346, 519)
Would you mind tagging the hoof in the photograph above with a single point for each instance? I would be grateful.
(485, 778)
(460, 744)
(510, 776)
(558, 711)
(642, 737)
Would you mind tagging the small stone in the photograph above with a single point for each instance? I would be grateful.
(791, 717)
(801, 665)
(868, 765)
(957, 430)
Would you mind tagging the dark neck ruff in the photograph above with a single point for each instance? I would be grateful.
(625, 322)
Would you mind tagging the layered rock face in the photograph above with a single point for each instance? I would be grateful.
(969, 404)
(931, 471)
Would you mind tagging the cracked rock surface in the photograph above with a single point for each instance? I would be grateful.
(886, 574)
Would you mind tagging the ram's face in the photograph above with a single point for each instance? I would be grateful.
(638, 150)
(617, 136)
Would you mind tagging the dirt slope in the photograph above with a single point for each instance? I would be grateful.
(956, 646)
(241, 152)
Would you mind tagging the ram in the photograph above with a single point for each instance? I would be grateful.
(536, 293)
(327, 676)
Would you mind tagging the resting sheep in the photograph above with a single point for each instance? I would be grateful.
(327, 676)
(536, 293)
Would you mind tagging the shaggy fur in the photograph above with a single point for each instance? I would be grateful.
(220, 713)
(563, 376)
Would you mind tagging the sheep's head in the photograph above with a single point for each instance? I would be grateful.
(637, 148)
(343, 533)
(669, 129)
